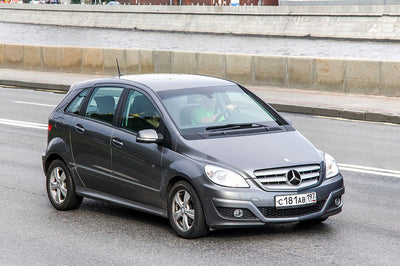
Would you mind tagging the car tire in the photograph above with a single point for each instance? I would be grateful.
(60, 187)
(185, 211)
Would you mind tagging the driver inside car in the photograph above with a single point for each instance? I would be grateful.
(209, 112)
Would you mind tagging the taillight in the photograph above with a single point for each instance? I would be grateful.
(49, 128)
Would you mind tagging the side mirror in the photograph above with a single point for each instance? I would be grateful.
(148, 136)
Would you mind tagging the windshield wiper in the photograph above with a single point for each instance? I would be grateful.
(235, 126)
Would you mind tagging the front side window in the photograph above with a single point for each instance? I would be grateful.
(76, 103)
(139, 113)
(102, 103)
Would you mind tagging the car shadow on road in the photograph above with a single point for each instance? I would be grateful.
(273, 230)
(144, 221)
(100, 212)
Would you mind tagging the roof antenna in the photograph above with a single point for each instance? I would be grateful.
(119, 72)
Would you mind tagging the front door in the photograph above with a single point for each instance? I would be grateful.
(137, 165)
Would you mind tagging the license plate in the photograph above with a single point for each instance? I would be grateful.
(295, 200)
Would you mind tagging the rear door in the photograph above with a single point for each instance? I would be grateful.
(91, 137)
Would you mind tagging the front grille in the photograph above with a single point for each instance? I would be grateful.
(272, 212)
(228, 213)
(276, 178)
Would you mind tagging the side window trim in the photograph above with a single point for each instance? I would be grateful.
(120, 107)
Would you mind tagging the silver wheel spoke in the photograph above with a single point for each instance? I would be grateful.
(53, 185)
(178, 200)
(63, 192)
(185, 223)
(190, 214)
(58, 196)
(186, 198)
(177, 215)
(62, 177)
(56, 174)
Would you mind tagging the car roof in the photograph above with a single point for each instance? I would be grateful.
(162, 82)
(159, 82)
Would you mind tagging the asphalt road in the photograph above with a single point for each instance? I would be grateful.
(367, 232)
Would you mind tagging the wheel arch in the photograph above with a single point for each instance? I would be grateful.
(51, 158)
(175, 180)
(57, 148)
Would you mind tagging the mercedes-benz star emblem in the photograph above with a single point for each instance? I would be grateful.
(293, 177)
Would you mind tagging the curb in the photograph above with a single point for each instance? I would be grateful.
(35, 85)
(339, 113)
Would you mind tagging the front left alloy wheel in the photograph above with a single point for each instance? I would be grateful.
(185, 211)
(60, 187)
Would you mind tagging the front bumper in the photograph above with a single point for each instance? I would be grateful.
(258, 206)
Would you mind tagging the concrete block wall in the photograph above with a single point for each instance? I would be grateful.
(346, 22)
(371, 77)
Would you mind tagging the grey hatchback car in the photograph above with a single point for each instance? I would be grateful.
(201, 151)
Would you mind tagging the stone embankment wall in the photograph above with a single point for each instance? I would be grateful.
(336, 2)
(335, 75)
(346, 22)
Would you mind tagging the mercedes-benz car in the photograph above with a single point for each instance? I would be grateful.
(204, 152)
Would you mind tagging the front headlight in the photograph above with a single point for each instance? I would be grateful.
(224, 177)
(331, 166)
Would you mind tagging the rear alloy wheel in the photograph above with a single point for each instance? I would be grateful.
(185, 211)
(60, 187)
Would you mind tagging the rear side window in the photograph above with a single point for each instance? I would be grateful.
(76, 103)
(102, 103)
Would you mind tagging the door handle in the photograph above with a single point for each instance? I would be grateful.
(117, 142)
(79, 128)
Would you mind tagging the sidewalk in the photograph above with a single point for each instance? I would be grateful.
(333, 104)
(349, 106)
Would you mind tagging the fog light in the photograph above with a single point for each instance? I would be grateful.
(337, 202)
(238, 213)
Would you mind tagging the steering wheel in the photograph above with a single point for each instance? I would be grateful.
(226, 113)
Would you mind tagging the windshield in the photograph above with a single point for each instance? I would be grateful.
(196, 110)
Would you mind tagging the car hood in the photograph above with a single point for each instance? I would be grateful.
(253, 152)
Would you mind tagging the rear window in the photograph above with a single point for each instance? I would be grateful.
(76, 103)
